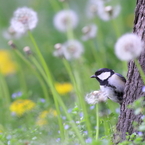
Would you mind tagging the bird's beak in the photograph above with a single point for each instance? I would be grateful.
(93, 76)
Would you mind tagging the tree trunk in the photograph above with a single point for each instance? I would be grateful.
(134, 84)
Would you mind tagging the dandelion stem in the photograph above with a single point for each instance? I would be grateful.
(45, 92)
(140, 70)
(77, 90)
(69, 29)
(56, 97)
(22, 80)
(59, 100)
(50, 82)
(97, 121)
(5, 90)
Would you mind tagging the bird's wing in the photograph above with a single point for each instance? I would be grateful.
(121, 77)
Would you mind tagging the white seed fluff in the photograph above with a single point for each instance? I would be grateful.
(92, 7)
(128, 47)
(24, 19)
(95, 97)
(109, 12)
(89, 32)
(73, 49)
(10, 33)
(65, 19)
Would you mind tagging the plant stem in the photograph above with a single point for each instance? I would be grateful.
(78, 90)
(5, 90)
(50, 82)
(97, 121)
(43, 86)
(59, 99)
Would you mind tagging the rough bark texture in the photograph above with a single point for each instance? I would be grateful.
(133, 89)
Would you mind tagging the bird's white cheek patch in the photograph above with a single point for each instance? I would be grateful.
(104, 76)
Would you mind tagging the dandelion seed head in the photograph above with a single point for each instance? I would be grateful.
(10, 33)
(65, 19)
(109, 9)
(24, 19)
(89, 32)
(11, 43)
(93, 7)
(109, 12)
(128, 47)
(73, 49)
(59, 50)
(95, 97)
(27, 50)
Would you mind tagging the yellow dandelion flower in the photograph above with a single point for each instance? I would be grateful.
(42, 118)
(19, 107)
(7, 66)
(53, 112)
(44, 114)
(63, 88)
(41, 122)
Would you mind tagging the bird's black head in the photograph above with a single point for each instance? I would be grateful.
(102, 75)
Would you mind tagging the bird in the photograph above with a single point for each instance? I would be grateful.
(111, 84)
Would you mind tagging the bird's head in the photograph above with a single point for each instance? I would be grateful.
(102, 75)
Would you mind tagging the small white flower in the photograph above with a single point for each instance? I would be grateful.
(24, 19)
(93, 6)
(89, 32)
(95, 97)
(73, 49)
(65, 19)
(10, 33)
(128, 46)
(109, 12)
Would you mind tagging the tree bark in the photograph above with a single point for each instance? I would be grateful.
(134, 84)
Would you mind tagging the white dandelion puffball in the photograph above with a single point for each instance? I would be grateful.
(89, 32)
(73, 49)
(95, 97)
(59, 50)
(109, 12)
(128, 46)
(65, 19)
(24, 19)
(92, 7)
(10, 33)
